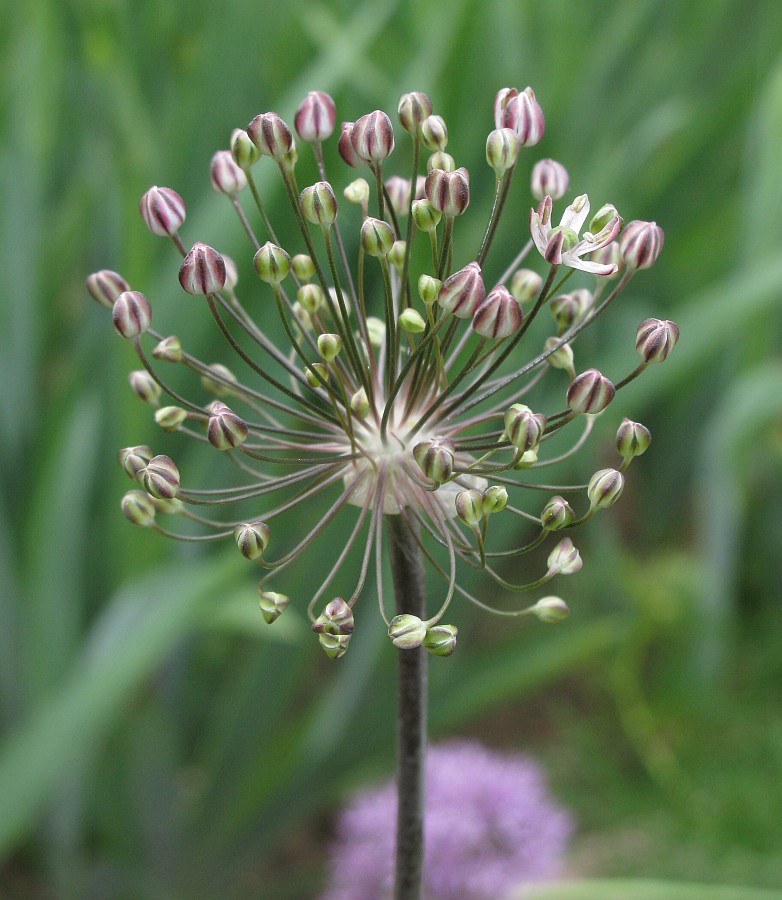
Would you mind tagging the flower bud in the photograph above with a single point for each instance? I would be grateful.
(556, 514)
(495, 499)
(169, 418)
(160, 478)
(373, 136)
(640, 244)
(315, 117)
(425, 216)
(170, 349)
(134, 459)
(163, 211)
(549, 178)
(469, 507)
(526, 459)
(435, 459)
(413, 109)
(440, 160)
(377, 237)
(359, 402)
(655, 338)
(440, 640)
(139, 508)
(605, 488)
(202, 271)
(329, 346)
(316, 375)
(272, 263)
(131, 314)
(318, 204)
(357, 191)
(345, 146)
(523, 427)
(499, 315)
(311, 297)
(396, 255)
(336, 618)
(524, 115)
(272, 604)
(429, 289)
(501, 101)
(303, 267)
(568, 309)
(525, 285)
(335, 646)
(376, 328)
(434, 133)
(271, 135)
(590, 392)
(550, 610)
(225, 429)
(463, 292)
(564, 559)
(411, 321)
(144, 386)
(218, 380)
(632, 439)
(604, 218)
(105, 286)
(406, 632)
(252, 538)
(398, 190)
(243, 150)
(562, 357)
(226, 176)
(502, 150)
(448, 192)
(172, 507)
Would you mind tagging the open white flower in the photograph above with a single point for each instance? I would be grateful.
(561, 245)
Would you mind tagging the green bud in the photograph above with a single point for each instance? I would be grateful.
(359, 403)
(435, 460)
(303, 266)
(425, 216)
(329, 346)
(335, 646)
(525, 285)
(243, 150)
(172, 507)
(272, 604)
(632, 439)
(469, 507)
(160, 478)
(377, 237)
(134, 459)
(441, 160)
(318, 204)
(407, 632)
(215, 380)
(502, 150)
(312, 372)
(526, 459)
(336, 618)
(564, 559)
(562, 357)
(495, 499)
(396, 255)
(169, 418)
(272, 263)
(376, 329)
(606, 214)
(411, 321)
(252, 538)
(440, 640)
(169, 349)
(550, 610)
(523, 427)
(139, 508)
(144, 386)
(357, 192)
(556, 514)
(413, 108)
(429, 288)
(434, 133)
(605, 488)
(311, 297)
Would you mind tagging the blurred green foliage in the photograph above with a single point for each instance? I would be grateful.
(157, 741)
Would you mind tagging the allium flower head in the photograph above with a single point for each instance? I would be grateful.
(355, 395)
(490, 825)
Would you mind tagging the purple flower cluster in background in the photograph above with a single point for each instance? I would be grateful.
(490, 825)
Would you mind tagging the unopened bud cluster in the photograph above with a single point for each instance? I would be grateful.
(397, 389)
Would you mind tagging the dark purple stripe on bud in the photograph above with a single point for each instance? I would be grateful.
(373, 136)
(131, 314)
(225, 429)
(655, 338)
(590, 392)
(315, 118)
(463, 292)
(499, 315)
(271, 135)
(345, 146)
(448, 192)
(523, 114)
(226, 176)
(105, 286)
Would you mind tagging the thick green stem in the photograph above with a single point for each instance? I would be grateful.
(408, 572)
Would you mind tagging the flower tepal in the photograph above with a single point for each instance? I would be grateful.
(366, 384)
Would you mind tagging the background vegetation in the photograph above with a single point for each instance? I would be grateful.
(157, 740)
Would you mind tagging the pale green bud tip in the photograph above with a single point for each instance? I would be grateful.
(377, 237)
(252, 538)
(318, 204)
(502, 150)
(398, 193)
(396, 255)
(359, 402)
(139, 508)
(170, 348)
(605, 488)
(316, 374)
(218, 380)
(469, 507)
(525, 285)
(440, 640)
(335, 646)
(562, 357)
(429, 288)
(272, 604)
(329, 346)
(134, 459)
(526, 459)
(407, 632)
(243, 150)
(564, 559)
(144, 386)
(435, 459)
(556, 514)
(495, 499)
(550, 610)
(272, 263)
(336, 618)
(105, 286)
(303, 266)
(425, 216)
(170, 418)
(632, 439)
(225, 429)
(412, 321)
(131, 314)
(603, 217)
(172, 507)
(441, 160)
(357, 191)
(523, 427)
(160, 478)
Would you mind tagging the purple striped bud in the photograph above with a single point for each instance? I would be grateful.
(373, 137)
(252, 538)
(243, 150)
(524, 428)
(440, 640)
(499, 315)
(315, 117)
(271, 135)
(272, 263)
(272, 604)
(407, 632)
(139, 508)
(160, 478)
(564, 559)
(105, 286)
(448, 192)
(655, 338)
(318, 204)
(377, 237)
(549, 178)
(434, 133)
(336, 618)
(590, 392)
(605, 488)
(131, 314)
(163, 211)
(632, 439)
(640, 244)
(435, 459)
(413, 109)
(463, 292)
(556, 514)
(226, 176)
(225, 429)
(501, 101)
(523, 114)
(502, 150)
(134, 459)
(469, 506)
(144, 386)
(203, 270)
(345, 146)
